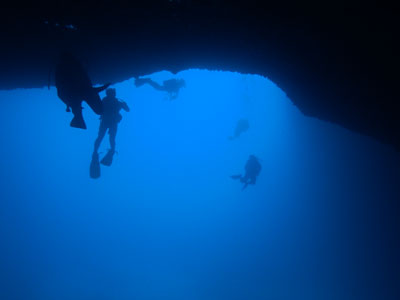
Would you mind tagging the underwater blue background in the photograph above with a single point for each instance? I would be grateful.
(166, 221)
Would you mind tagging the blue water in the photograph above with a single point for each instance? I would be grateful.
(166, 221)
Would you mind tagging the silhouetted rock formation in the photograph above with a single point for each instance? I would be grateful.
(336, 63)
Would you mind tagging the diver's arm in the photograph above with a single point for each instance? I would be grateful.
(102, 88)
(124, 106)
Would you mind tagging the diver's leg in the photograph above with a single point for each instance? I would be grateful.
(100, 136)
(64, 98)
(252, 180)
(113, 134)
(156, 85)
(244, 179)
(108, 158)
(95, 163)
(77, 121)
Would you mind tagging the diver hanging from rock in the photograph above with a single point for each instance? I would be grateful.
(74, 86)
(171, 86)
(252, 170)
(109, 121)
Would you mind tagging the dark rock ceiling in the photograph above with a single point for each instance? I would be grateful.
(337, 62)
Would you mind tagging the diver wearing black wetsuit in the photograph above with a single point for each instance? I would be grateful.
(109, 121)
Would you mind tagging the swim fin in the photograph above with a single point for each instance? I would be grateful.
(108, 158)
(78, 122)
(236, 176)
(95, 166)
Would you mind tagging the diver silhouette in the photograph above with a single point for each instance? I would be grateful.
(252, 170)
(74, 86)
(241, 126)
(109, 121)
(171, 86)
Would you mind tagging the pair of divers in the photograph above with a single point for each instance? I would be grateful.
(73, 87)
(253, 166)
(171, 86)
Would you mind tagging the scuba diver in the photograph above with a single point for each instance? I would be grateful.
(252, 168)
(241, 126)
(171, 86)
(109, 121)
(74, 86)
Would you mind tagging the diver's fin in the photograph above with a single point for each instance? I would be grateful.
(245, 186)
(108, 158)
(236, 176)
(78, 122)
(95, 166)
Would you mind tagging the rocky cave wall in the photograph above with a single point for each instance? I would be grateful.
(336, 62)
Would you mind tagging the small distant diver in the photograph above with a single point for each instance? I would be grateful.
(241, 126)
(74, 86)
(171, 86)
(109, 121)
(252, 170)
